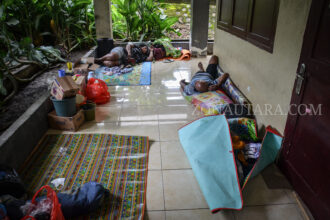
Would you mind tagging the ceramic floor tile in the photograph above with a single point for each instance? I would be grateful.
(145, 128)
(140, 90)
(135, 110)
(91, 128)
(185, 73)
(171, 90)
(142, 99)
(115, 99)
(160, 68)
(173, 156)
(199, 214)
(292, 195)
(169, 82)
(257, 193)
(101, 127)
(174, 99)
(154, 215)
(182, 191)
(177, 112)
(270, 212)
(155, 162)
(107, 114)
(155, 198)
(139, 113)
(169, 130)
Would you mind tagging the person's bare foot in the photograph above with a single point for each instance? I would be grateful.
(184, 82)
(214, 60)
(200, 66)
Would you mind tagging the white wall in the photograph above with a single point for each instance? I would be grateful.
(267, 78)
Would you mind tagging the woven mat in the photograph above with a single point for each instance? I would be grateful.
(118, 162)
(141, 75)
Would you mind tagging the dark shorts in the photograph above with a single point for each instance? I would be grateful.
(213, 70)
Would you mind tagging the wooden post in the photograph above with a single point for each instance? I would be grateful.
(103, 21)
(199, 27)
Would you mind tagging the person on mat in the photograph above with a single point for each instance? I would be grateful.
(139, 53)
(204, 81)
(131, 55)
(116, 57)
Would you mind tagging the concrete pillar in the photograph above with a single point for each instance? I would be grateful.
(199, 27)
(103, 21)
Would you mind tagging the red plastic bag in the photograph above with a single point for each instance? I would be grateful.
(97, 91)
(56, 211)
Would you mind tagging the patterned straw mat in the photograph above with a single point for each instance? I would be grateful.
(118, 162)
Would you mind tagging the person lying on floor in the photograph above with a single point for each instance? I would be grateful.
(204, 81)
(131, 55)
(116, 57)
(139, 52)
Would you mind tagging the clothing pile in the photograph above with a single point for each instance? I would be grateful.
(69, 204)
(117, 70)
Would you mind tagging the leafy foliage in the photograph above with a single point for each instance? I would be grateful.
(140, 20)
(20, 35)
(26, 25)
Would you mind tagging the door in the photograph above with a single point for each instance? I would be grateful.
(305, 157)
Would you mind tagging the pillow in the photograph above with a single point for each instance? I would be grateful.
(211, 103)
(245, 128)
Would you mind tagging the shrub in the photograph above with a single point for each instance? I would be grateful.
(140, 20)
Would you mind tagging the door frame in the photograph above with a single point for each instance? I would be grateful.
(298, 182)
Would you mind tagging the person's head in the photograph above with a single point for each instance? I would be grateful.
(144, 48)
(201, 86)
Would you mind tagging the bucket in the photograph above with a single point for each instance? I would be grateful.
(89, 111)
(65, 107)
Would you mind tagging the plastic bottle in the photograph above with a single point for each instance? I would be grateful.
(61, 73)
(90, 75)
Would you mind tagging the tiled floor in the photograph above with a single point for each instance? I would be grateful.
(158, 111)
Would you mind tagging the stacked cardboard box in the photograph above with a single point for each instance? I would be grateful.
(66, 123)
(65, 87)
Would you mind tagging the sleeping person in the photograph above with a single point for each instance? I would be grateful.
(138, 53)
(133, 53)
(204, 81)
(116, 57)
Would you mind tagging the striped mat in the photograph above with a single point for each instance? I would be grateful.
(120, 163)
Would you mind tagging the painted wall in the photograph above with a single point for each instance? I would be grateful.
(267, 78)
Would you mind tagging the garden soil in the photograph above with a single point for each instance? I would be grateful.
(28, 94)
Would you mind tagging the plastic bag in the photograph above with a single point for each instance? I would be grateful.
(41, 210)
(10, 182)
(97, 91)
(50, 204)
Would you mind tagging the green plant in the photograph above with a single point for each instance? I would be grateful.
(128, 11)
(72, 22)
(144, 20)
(118, 23)
(16, 51)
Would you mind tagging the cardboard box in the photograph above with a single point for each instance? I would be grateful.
(88, 60)
(81, 69)
(66, 123)
(93, 67)
(63, 87)
(81, 82)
